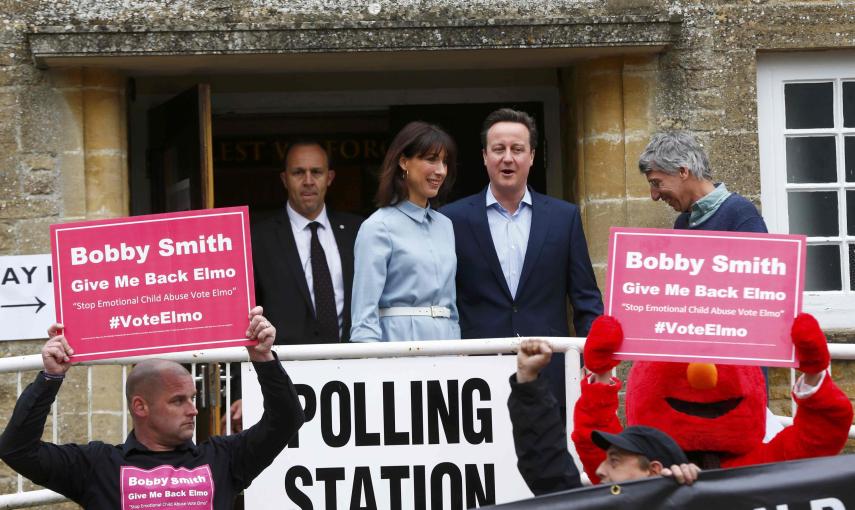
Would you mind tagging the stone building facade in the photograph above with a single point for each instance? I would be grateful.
(78, 80)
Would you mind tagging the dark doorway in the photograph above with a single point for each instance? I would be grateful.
(249, 152)
(179, 151)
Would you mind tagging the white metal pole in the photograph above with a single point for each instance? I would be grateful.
(573, 390)
(30, 498)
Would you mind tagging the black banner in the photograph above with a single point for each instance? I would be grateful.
(816, 484)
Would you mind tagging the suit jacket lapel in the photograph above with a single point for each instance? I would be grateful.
(536, 236)
(292, 256)
(481, 231)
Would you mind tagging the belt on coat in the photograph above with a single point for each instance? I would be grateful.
(424, 311)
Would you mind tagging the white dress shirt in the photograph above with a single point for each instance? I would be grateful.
(510, 233)
(303, 238)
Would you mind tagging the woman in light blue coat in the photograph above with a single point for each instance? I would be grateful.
(405, 265)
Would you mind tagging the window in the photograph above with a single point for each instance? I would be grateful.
(806, 121)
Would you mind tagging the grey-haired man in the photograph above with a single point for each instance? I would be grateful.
(678, 171)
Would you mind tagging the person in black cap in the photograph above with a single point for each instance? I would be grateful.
(540, 440)
(640, 452)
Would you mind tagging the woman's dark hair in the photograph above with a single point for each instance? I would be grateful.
(416, 139)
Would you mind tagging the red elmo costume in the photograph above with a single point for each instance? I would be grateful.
(717, 414)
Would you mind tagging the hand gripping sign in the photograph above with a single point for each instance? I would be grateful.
(153, 284)
(722, 297)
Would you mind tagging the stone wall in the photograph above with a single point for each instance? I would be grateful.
(64, 158)
(63, 153)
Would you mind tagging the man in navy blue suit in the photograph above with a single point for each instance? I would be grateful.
(520, 254)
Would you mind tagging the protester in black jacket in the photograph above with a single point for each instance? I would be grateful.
(158, 466)
(541, 442)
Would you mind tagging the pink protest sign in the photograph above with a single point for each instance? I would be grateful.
(721, 297)
(153, 284)
(167, 487)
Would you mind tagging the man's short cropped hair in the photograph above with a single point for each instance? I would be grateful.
(510, 115)
(306, 142)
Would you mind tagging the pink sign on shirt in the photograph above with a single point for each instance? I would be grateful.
(719, 297)
(167, 487)
(153, 284)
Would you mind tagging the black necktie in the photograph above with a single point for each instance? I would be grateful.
(325, 310)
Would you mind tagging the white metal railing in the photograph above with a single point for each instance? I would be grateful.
(18, 364)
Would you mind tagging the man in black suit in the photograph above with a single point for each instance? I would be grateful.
(289, 281)
(307, 298)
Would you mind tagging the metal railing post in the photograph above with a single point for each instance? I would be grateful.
(573, 374)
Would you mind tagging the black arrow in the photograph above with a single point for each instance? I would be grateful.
(38, 303)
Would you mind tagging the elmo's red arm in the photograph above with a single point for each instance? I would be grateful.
(821, 424)
(820, 428)
(596, 409)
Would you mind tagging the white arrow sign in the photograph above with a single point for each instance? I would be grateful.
(26, 296)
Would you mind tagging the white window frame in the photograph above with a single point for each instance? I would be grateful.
(833, 309)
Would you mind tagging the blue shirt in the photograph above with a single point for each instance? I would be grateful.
(510, 236)
(404, 256)
(703, 209)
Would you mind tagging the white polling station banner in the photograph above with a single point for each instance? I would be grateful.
(393, 433)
